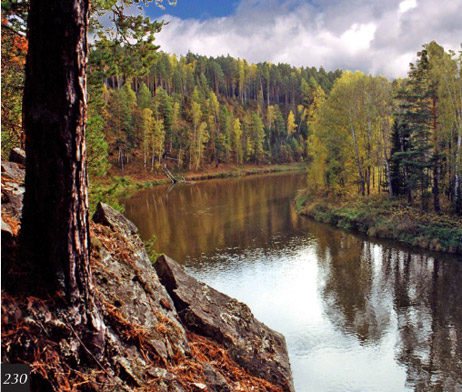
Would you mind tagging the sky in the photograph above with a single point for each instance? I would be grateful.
(378, 37)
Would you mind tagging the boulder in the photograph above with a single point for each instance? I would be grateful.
(206, 311)
(13, 171)
(12, 189)
(108, 216)
(129, 284)
(18, 155)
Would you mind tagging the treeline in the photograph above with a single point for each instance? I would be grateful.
(358, 133)
(402, 137)
(199, 110)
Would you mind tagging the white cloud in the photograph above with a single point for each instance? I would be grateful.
(407, 5)
(378, 38)
(359, 36)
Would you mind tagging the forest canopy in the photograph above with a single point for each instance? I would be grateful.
(358, 133)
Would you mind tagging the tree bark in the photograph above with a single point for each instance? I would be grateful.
(387, 163)
(55, 228)
(358, 163)
(436, 188)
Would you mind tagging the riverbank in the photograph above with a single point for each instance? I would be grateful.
(382, 217)
(118, 184)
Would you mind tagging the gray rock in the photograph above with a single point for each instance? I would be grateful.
(108, 216)
(128, 281)
(14, 171)
(18, 155)
(215, 379)
(204, 310)
(12, 189)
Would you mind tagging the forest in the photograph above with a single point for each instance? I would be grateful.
(195, 111)
(403, 136)
(358, 134)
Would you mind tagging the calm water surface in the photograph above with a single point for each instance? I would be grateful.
(358, 314)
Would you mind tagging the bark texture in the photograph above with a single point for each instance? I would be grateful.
(55, 213)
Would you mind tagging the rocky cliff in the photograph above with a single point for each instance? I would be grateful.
(166, 331)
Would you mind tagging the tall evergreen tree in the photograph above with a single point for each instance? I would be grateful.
(55, 227)
(416, 110)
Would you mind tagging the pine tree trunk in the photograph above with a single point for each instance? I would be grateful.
(55, 228)
(368, 180)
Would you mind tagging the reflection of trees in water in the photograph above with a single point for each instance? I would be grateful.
(364, 293)
(428, 304)
(351, 292)
(201, 218)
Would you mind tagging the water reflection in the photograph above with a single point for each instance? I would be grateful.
(190, 220)
(358, 315)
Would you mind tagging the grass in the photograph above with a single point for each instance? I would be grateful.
(384, 217)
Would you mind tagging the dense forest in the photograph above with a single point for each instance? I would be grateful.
(197, 110)
(403, 136)
(358, 133)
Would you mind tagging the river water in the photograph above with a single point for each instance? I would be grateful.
(358, 314)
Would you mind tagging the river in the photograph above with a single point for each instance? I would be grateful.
(358, 314)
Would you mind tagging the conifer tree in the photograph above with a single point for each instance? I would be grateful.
(166, 111)
(398, 165)
(258, 136)
(144, 99)
(416, 111)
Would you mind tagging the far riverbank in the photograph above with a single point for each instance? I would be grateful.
(118, 184)
(383, 217)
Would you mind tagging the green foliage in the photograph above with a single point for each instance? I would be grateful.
(127, 45)
(109, 195)
(193, 90)
(97, 146)
(150, 249)
(14, 48)
(385, 217)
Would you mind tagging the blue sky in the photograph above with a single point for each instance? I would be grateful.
(195, 9)
(373, 36)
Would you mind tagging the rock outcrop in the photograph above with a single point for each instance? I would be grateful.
(165, 335)
(12, 195)
(210, 313)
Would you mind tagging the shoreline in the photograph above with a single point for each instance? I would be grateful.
(381, 217)
(117, 185)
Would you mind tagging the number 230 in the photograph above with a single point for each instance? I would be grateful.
(15, 378)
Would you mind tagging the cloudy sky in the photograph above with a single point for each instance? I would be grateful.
(373, 36)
